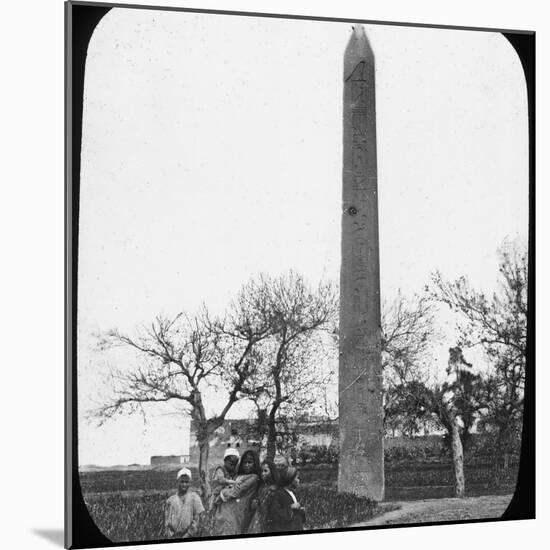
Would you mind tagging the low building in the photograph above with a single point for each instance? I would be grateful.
(168, 460)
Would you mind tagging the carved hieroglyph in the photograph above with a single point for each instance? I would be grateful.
(361, 465)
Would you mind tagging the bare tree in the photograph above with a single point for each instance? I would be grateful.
(290, 369)
(180, 357)
(407, 334)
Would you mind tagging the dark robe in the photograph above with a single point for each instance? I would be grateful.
(258, 523)
(280, 516)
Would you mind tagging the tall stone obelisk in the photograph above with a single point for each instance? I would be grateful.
(361, 464)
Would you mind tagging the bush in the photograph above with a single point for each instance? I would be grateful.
(318, 454)
(414, 449)
(326, 508)
(318, 473)
(395, 454)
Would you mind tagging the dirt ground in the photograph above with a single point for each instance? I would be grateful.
(440, 509)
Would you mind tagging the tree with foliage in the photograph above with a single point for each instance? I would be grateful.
(498, 324)
(455, 405)
(178, 359)
(458, 404)
(289, 373)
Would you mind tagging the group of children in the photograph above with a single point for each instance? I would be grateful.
(246, 497)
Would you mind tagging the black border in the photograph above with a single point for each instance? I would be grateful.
(80, 23)
(81, 19)
(522, 505)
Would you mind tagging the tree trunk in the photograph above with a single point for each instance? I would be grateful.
(458, 460)
(204, 448)
(203, 441)
(271, 448)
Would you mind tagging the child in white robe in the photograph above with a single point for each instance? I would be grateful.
(182, 510)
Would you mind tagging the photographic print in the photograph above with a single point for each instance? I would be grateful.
(299, 258)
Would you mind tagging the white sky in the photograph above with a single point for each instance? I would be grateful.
(212, 150)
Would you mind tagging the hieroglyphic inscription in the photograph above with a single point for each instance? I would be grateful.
(356, 303)
(360, 248)
(361, 447)
(359, 258)
(359, 74)
(360, 305)
(359, 126)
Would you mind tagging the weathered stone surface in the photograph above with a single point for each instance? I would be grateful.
(361, 467)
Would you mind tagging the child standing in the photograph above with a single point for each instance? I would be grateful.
(260, 505)
(182, 510)
(284, 512)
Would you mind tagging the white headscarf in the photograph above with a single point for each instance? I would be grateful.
(184, 472)
(230, 451)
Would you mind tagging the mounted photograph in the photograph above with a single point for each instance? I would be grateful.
(299, 258)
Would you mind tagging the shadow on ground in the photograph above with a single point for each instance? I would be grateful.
(53, 535)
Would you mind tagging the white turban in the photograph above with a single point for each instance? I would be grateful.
(230, 451)
(184, 472)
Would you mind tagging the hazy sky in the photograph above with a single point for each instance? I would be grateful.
(212, 150)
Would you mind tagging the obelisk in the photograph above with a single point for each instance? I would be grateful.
(361, 464)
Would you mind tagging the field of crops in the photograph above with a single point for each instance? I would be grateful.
(128, 518)
(481, 478)
(128, 505)
(137, 515)
(107, 481)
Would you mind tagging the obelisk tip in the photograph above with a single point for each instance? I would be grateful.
(357, 50)
(359, 31)
(358, 39)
